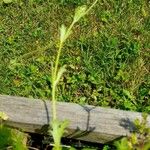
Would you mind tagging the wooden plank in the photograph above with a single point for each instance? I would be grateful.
(88, 123)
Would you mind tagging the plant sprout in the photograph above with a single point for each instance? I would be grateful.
(58, 128)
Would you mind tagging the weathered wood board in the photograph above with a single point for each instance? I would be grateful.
(88, 123)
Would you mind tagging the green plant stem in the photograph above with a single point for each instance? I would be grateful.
(57, 60)
(54, 102)
(54, 74)
(59, 52)
(70, 27)
(55, 69)
(91, 6)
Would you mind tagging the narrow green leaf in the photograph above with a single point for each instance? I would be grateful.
(62, 33)
(80, 12)
(60, 73)
(7, 1)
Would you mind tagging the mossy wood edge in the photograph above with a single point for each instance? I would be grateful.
(87, 123)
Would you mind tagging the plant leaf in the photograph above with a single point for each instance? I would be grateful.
(62, 33)
(58, 129)
(3, 116)
(60, 73)
(7, 1)
(79, 12)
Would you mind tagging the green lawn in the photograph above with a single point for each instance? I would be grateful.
(107, 55)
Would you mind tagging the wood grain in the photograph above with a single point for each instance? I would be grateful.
(88, 123)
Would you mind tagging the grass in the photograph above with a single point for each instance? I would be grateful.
(107, 57)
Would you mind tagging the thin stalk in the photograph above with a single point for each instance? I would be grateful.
(54, 74)
(59, 52)
(91, 6)
(54, 102)
(57, 60)
(57, 127)
(70, 27)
